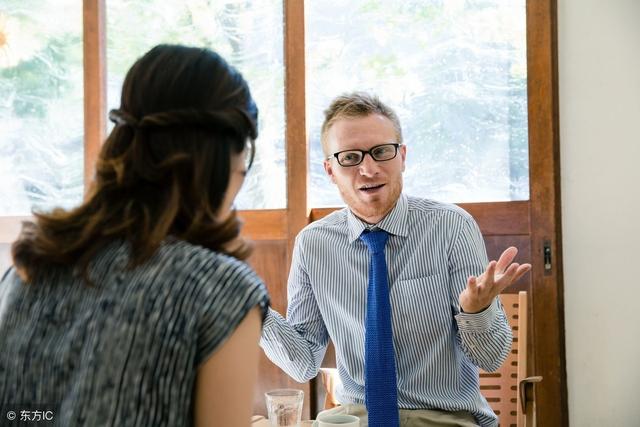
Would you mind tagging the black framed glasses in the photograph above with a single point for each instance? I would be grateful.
(379, 153)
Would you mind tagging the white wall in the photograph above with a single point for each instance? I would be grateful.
(599, 67)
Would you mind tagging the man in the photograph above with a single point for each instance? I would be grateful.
(398, 284)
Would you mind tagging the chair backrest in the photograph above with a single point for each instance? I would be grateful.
(500, 388)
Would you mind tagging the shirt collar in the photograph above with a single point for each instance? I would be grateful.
(395, 222)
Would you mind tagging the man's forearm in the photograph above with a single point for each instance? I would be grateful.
(288, 349)
(486, 336)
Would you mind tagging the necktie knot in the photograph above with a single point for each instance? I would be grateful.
(375, 240)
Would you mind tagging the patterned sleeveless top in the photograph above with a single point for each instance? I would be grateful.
(124, 351)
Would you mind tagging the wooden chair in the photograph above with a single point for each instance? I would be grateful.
(509, 391)
(330, 381)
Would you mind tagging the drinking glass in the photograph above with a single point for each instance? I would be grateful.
(284, 407)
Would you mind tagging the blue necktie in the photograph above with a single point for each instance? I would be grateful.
(381, 389)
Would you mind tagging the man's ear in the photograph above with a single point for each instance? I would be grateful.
(329, 170)
(403, 154)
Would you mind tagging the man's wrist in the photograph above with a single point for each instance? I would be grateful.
(480, 321)
(474, 311)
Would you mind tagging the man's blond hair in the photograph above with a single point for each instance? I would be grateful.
(356, 104)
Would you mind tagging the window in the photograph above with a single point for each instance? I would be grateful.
(456, 74)
(248, 34)
(41, 142)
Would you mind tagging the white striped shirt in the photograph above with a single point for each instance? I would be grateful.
(432, 249)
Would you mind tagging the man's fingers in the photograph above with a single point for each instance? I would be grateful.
(511, 271)
(522, 270)
(489, 276)
(506, 258)
(512, 275)
(481, 290)
(508, 277)
(472, 284)
(486, 279)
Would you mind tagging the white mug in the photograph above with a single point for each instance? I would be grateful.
(337, 420)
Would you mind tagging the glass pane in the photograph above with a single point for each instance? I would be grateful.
(5, 257)
(454, 71)
(248, 34)
(41, 109)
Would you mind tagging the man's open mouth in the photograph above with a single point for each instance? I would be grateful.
(371, 188)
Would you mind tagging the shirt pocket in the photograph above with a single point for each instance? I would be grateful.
(421, 306)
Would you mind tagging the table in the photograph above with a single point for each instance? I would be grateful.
(260, 421)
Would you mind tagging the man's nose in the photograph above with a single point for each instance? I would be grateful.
(368, 167)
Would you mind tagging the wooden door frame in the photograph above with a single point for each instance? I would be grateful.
(95, 82)
(547, 299)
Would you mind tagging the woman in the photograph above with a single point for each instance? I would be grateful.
(133, 309)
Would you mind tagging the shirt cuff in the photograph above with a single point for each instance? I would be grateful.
(478, 322)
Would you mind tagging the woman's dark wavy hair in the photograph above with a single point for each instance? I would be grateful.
(163, 171)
